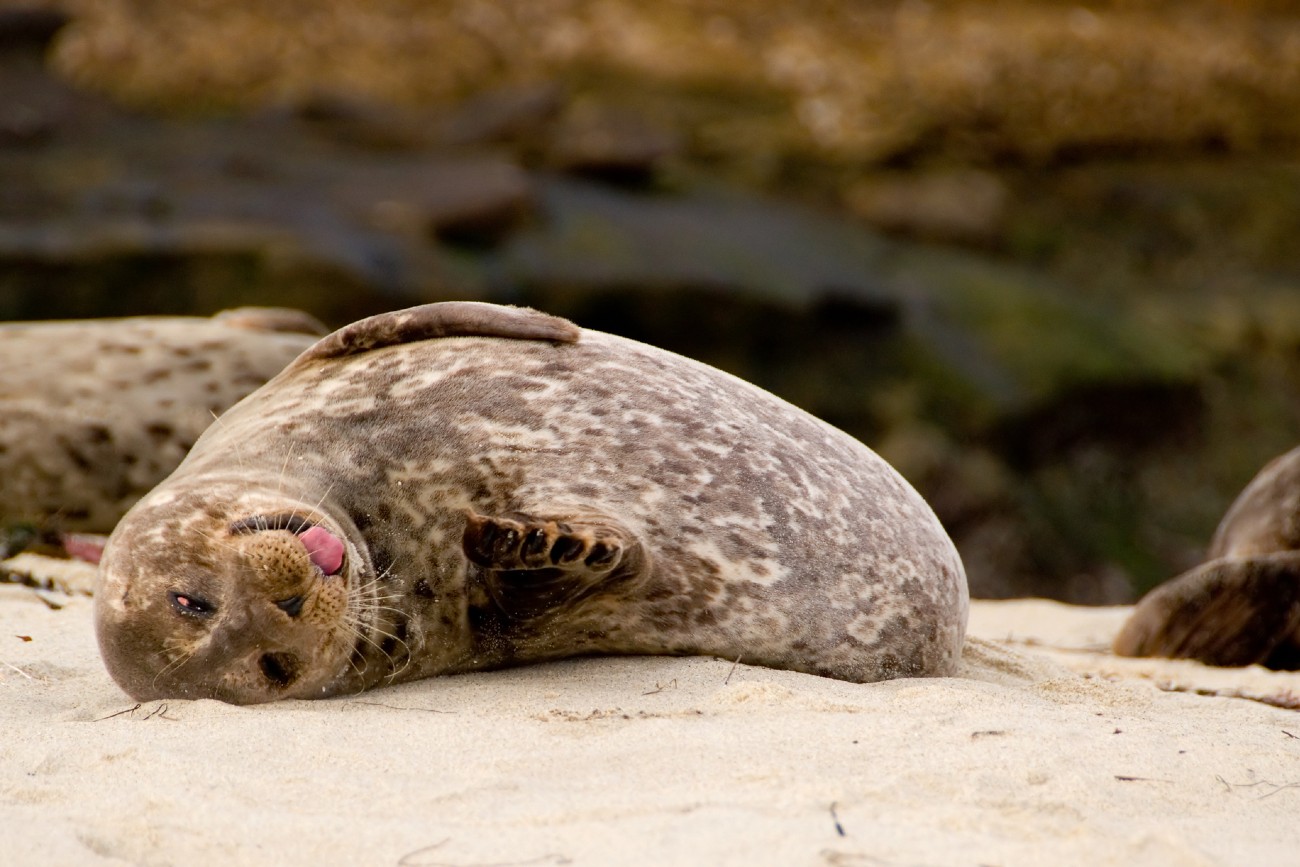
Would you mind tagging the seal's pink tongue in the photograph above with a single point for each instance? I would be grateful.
(324, 548)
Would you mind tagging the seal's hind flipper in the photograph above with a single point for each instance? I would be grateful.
(532, 566)
(1228, 612)
(444, 319)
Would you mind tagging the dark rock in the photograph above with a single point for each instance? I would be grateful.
(367, 124)
(1130, 414)
(1013, 343)
(32, 104)
(596, 142)
(595, 239)
(30, 27)
(966, 206)
(513, 114)
(474, 202)
(23, 125)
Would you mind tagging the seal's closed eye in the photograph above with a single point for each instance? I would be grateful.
(260, 523)
(291, 606)
(190, 605)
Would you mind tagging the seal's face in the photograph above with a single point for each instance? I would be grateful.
(245, 609)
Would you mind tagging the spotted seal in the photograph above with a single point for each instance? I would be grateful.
(94, 413)
(1242, 606)
(464, 486)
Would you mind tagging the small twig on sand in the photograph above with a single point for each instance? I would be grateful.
(733, 671)
(406, 860)
(399, 707)
(160, 711)
(661, 687)
(839, 829)
(1277, 787)
(1285, 699)
(120, 712)
(19, 670)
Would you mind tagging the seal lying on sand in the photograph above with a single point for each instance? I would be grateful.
(400, 502)
(1242, 606)
(95, 413)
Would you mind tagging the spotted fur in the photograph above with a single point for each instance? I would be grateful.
(693, 513)
(95, 413)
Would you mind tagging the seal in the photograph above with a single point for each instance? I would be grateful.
(1242, 606)
(463, 486)
(95, 413)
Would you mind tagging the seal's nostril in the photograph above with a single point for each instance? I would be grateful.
(280, 668)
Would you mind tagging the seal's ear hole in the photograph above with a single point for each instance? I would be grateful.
(191, 605)
(279, 668)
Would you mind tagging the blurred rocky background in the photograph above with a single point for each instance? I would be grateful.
(1043, 256)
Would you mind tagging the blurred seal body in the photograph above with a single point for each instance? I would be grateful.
(95, 413)
(403, 502)
(1242, 606)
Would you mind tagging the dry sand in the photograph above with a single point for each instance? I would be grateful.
(1045, 751)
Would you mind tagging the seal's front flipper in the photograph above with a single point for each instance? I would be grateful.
(531, 566)
(1228, 612)
(510, 544)
(443, 319)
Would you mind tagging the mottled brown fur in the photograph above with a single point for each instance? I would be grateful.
(513, 500)
(95, 413)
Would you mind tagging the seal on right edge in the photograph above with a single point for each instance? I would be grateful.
(1242, 606)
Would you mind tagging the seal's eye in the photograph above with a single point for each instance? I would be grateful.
(191, 605)
(291, 606)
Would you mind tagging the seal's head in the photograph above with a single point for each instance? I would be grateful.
(244, 599)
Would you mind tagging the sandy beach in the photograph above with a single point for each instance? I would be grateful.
(1045, 750)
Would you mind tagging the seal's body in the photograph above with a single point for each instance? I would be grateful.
(399, 503)
(1242, 606)
(95, 413)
